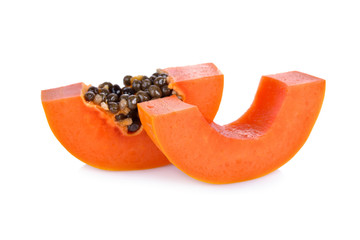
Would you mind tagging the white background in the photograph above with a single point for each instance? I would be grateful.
(48, 194)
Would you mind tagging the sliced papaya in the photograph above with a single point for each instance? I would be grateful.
(268, 135)
(91, 134)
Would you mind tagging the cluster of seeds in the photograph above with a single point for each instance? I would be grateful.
(122, 102)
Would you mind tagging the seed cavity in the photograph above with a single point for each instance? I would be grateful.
(122, 101)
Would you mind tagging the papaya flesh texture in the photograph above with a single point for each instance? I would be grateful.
(268, 135)
(91, 134)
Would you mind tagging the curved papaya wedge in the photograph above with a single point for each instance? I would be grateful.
(91, 134)
(268, 135)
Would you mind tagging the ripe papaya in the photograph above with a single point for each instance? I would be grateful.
(268, 135)
(90, 133)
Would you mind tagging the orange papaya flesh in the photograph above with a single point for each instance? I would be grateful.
(90, 134)
(189, 81)
(268, 135)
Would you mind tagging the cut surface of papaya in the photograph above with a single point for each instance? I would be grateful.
(268, 135)
(90, 133)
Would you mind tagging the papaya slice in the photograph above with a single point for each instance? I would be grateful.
(90, 134)
(268, 135)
